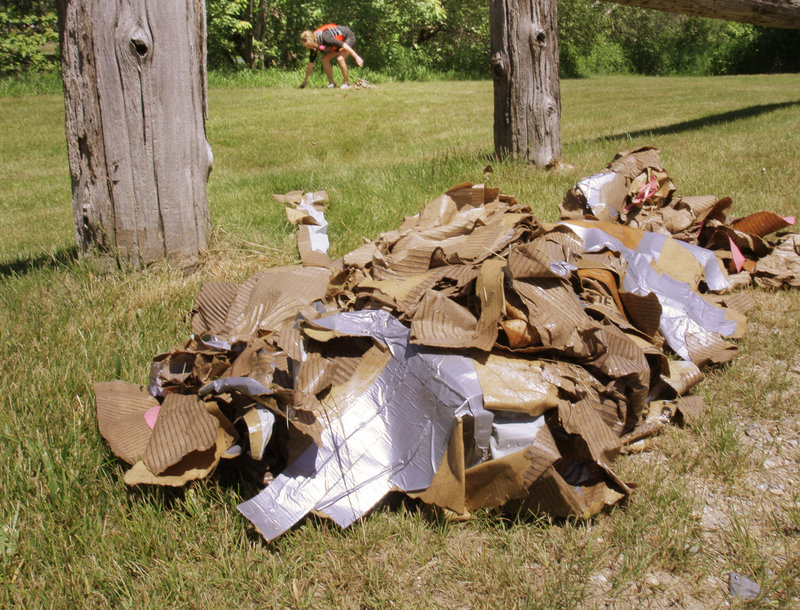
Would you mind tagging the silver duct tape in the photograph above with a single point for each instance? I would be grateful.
(653, 243)
(394, 435)
(591, 188)
(154, 386)
(562, 268)
(213, 342)
(513, 433)
(318, 233)
(451, 378)
(684, 311)
(246, 386)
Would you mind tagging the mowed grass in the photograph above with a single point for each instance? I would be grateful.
(717, 497)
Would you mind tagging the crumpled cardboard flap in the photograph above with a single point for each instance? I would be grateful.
(551, 494)
(761, 223)
(307, 212)
(556, 315)
(183, 427)
(582, 420)
(269, 300)
(495, 483)
(211, 307)
(194, 465)
(622, 359)
(631, 163)
(690, 408)
(441, 322)
(516, 384)
(782, 266)
(405, 294)
(644, 311)
(448, 488)
(121, 409)
(552, 255)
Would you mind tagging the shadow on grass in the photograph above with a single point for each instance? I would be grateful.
(707, 121)
(22, 266)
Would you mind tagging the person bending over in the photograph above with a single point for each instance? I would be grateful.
(332, 41)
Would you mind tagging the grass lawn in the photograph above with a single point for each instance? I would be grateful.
(720, 496)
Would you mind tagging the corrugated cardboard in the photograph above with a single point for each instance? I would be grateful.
(636, 191)
(121, 409)
(474, 357)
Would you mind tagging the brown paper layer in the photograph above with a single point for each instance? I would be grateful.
(120, 416)
(183, 427)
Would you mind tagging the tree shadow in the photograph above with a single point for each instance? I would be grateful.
(707, 121)
(22, 266)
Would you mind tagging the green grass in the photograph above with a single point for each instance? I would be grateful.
(718, 496)
(33, 83)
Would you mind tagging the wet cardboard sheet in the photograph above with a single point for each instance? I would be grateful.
(472, 358)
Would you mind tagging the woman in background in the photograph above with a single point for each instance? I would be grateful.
(332, 40)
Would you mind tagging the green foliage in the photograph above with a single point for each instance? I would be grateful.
(581, 26)
(224, 27)
(416, 39)
(429, 39)
(32, 83)
(403, 38)
(605, 38)
(28, 37)
(751, 50)
(657, 43)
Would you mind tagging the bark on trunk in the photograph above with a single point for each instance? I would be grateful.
(773, 13)
(527, 97)
(135, 96)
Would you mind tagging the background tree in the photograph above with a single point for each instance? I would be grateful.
(228, 24)
(771, 13)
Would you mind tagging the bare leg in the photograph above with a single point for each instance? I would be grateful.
(341, 59)
(326, 65)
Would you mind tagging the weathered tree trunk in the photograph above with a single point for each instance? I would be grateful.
(527, 97)
(773, 13)
(135, 95)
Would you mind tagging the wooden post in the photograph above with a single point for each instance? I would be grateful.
(527, 96)
(134, 77)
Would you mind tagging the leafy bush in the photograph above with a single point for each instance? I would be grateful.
(752, 50)
(27, 39)
(225, 26)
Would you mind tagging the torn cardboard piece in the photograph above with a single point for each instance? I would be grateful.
(171, 443)
(781, 267)
(308, 214)
(124, 413)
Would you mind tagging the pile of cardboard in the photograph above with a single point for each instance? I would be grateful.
(635, 190)
(473, 358)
